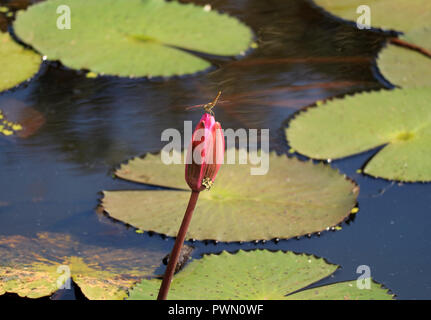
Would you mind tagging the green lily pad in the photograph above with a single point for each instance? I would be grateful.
(399, 120)
(132, 38)
(421, 37)
(404, 67)
(32, 267)
(257, 275)
(400, 15)
(17, 63)
(346, 290)
(294, 198)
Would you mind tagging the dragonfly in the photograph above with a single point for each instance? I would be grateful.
(209, 106)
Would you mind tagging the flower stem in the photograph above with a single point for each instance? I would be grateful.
(175, 254)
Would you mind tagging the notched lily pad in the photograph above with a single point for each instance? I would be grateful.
(132, 38)
(294, 198)
(400, 15)
(17, 117)
(399, 120)
(185, 255)
(17, 64)
(36, 267)
(257, 275)
(404, 67)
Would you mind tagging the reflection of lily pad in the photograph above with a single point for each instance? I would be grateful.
(399, 119)
(30, 266)
(17, 63)
(257, 275)
(404, 67)
(132, 38)
(293, 199)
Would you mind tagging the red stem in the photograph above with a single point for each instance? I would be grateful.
(405, 44)
(175, 254)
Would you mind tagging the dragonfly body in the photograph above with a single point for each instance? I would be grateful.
(209, 106)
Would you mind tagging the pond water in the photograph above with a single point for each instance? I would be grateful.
(81, 129)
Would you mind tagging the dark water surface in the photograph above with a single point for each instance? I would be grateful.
(51, 179)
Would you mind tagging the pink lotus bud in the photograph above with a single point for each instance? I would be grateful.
(205, 153)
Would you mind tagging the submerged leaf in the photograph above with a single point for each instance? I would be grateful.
(17, 63)
(256, 275)
(293, 199)
(399, 120)
(132, 38)
(32, 267)
(413, 18)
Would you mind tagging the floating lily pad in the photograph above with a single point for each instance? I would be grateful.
(411, 17)
(400, 15)
(399, 120)
(404, 67)
(257, 275)
(132, 38)
(32, 267)
(294, 198)
(17, 63)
